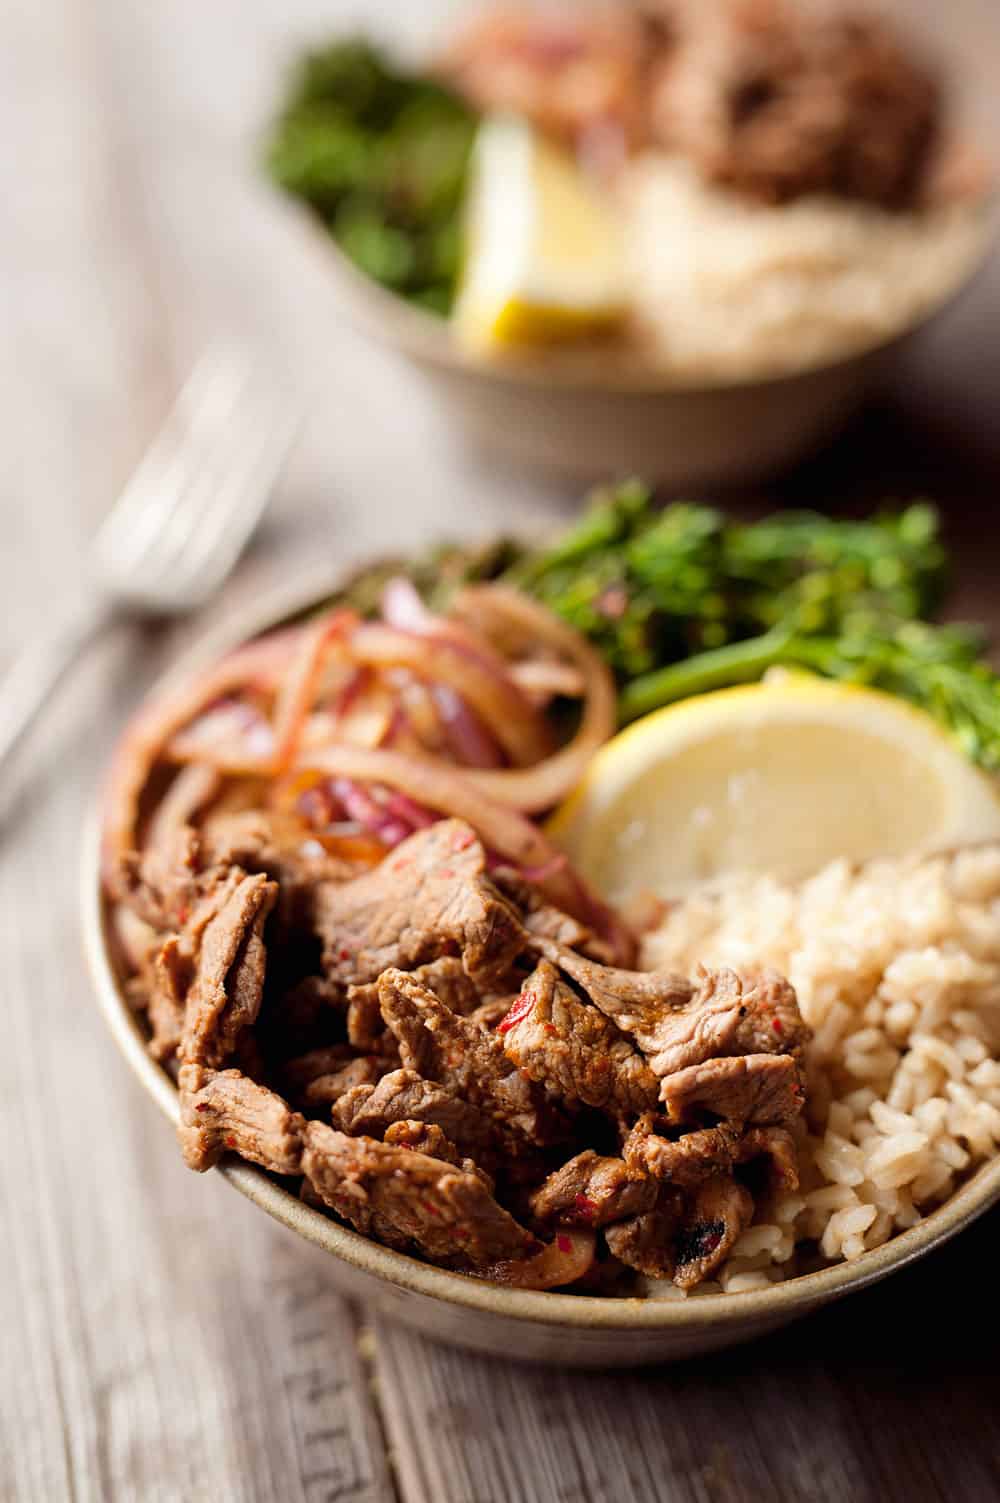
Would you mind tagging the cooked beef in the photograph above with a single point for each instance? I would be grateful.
(646, 1242)
(446, 978)
(228, 1111)
(718, 1213)
(430, 897)
(491, 1012)
(776, 1144)
(304, 1068)
(457, 1052)
(225, 993)
(402, 1096)
(749, 1088)
(422, 1137)
(683, 1161)
(592, 1190)
(169, 981)
(410, 1200)
(572, 1048)
(324, 1090)
(772, 1022)
(276, 846)
(678, 1024)
(635, 1001)
(425, 1137)
(777, 102)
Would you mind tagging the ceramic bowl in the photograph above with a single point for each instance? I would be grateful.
(567, 1329)
(586, 416)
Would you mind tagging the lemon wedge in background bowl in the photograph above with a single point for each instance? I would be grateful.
(544, 260)
(777, 777)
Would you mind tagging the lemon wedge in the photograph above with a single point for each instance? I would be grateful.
(776, 778)
(544, 259)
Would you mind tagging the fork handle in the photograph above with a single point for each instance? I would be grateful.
(37, 671)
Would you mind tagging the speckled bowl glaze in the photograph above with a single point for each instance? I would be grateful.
(581, 1331)
(587, 415)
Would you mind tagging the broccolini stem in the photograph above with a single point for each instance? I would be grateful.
(736, 663)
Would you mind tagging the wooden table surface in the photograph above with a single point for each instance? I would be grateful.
(159, 1338)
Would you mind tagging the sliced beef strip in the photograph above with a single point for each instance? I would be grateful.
(225, 993)
(777, 1145)
(425, 1137)
(573, 1049)
(592, 1190)
(169, 981)
(636, 1001)
(447, 979)
(683, 1161)
(719, 1212)
(695, 1156)
(759, 1089)
(430, 897)
(459, 1053)
(646, 1242)
(422, 1137)
(542, 918)
(324, 1090)
(678, 1024)
(488, 1014)
(280, 848)
(299, 1072)
(404, 1096)
(226, 1111)
(411, 1200)
(772, 1022)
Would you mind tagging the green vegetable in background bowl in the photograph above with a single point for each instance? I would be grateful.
(381, 157)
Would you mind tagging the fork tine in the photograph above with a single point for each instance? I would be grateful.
(199, 411)
(203, 488)
(211, 522)
(235, 506)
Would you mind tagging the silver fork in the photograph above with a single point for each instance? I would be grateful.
(177, 529)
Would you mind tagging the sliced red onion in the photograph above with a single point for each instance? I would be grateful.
(402, 607)
(372, 816)
(467, 737)
(406, 808)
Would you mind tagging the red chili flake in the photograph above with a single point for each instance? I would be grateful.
(203, 1106)
(520, 1010)
(777, 1025)
(183, 913)
(551, 1029)
(431, 1208)
(400, 863)
(461, 840)
(585, 1207)
(563, 1243)
(230, 1141)
(344, 953)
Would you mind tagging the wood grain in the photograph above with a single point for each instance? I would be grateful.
(159, 1339)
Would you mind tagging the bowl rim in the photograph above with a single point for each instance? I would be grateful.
(594, 1312)
(391, 320)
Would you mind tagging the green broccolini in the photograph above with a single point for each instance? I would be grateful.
(381, 157)
(683, 600)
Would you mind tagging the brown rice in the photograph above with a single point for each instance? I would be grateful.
(897, 968)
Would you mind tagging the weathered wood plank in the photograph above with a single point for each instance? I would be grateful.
(883, 1399)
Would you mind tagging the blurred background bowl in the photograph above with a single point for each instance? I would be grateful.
(587, 414)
